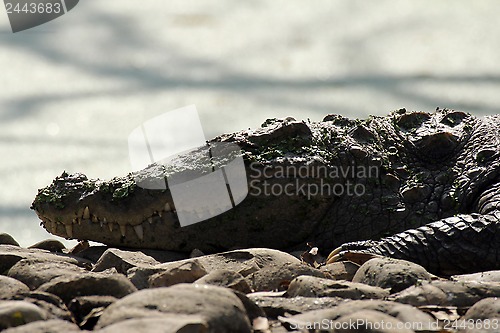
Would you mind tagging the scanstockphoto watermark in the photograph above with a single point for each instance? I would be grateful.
(27, 14)
(396, 326)
(310, 180)
(362, 324)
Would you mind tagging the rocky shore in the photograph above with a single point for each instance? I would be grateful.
(45, 289)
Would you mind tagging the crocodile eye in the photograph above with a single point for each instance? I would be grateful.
(412, 120)
(453, 118)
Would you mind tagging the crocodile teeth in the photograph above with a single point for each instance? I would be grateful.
(101, 223)
(110, 226)
(86, 212)
(167, 207)
(123, 229)
(69, 229)
(95, 219)
(139, 231)
(159, 214)
(150, 220)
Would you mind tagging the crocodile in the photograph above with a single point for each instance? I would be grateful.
(413, 185)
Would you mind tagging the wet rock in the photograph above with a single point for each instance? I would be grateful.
(10, 287)
(10, 255)
(393, 274)
(277, 276)
(52, 304)
(16, 313)
(53, 325)
(369, 321)
(275, 304)
(89, 283)
(82, 306)
(92, 253)
(341, 270)
(489, 276)
(405, 313)
(225, 278)
(253, 311)
(164, 324)
(50, 245)
(401, 312)
(7, 239)
(34, 273)
(163, 256)
(488, 308)
(186, 272)
(139, 276)
(79, 247)
(447, 293)
(310, 286)
(244, 262)
(218, 307)
(123, 260)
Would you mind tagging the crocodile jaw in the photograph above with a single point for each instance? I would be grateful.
(116, 212)
(76, 207)
(146, 234)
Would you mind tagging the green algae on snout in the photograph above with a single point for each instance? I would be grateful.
(46, 195)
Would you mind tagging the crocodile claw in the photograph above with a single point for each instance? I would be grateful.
(358, 252)
(333, 258)
(356, 257)
(334, 255)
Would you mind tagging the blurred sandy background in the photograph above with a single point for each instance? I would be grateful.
(74, 88)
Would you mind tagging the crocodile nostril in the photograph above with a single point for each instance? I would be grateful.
(437, 145)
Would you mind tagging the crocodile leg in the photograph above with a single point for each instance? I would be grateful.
(454, 245)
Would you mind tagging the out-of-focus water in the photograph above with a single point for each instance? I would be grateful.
(73, 89)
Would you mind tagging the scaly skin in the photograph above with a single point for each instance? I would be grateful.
(429, 180)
